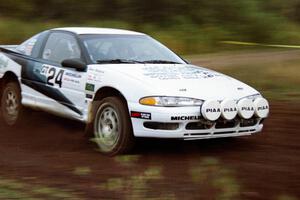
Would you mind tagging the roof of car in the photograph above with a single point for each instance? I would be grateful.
(89, 30)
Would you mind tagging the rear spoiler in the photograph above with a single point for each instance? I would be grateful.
(9, 47)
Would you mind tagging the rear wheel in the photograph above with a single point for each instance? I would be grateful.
(11, 107)
(112, 127)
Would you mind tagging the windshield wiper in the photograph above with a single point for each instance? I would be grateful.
(161, 61)
(114, 61)
(118, 61)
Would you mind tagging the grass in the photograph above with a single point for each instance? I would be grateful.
(16, 189)
(277, 81)
(82, 171)
(287, 197)
(137, 185)
(209, 172)
(273, 72)
(126, 160)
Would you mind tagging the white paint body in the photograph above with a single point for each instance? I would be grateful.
(135, 81)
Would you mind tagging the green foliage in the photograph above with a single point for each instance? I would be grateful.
(82, 171)
(188, 27)
(277, 81)
(17, 189)
(209, 171)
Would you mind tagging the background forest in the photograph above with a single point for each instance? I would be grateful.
(188, 27)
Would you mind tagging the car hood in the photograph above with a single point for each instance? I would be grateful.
(186, 81)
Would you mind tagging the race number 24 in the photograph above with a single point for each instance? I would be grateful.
(55, 77)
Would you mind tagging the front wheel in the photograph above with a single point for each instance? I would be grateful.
(11, 107)
(112, 127)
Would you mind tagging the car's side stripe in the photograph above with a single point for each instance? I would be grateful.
(38, 82)
(52, 93)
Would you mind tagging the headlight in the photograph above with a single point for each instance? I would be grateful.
(170, 101)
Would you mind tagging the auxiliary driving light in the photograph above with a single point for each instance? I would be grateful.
(211, 110)
(261, 107)
(246, 108)
(229, 109)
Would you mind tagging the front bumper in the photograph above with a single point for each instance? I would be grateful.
(188, 124)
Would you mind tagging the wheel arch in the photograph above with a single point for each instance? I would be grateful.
(108, 91)
(102, 93)
(8, 76)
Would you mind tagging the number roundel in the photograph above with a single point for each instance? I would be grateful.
(56, 76)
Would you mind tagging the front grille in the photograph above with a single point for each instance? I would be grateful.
(196, 134)
(208, 133)
(224, 132)
(161, 126)
(248, 122)
(201, 125)
(221, 123)
(245, 131)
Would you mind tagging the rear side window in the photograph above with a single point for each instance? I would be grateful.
(26, 47)
(61, 46)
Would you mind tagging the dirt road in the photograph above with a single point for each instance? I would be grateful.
(50, 159)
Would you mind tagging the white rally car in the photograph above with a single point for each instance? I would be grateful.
(123, 85)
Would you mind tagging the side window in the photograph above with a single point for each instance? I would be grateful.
(61, 46)
(27, 46)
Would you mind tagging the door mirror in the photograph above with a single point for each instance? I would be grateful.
(74, 63)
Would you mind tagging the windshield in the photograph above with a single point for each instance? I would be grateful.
(127, 49)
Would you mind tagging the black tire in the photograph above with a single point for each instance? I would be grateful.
(111, 121)
(10, 104)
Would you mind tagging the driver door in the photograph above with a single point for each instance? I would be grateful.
(63, 90)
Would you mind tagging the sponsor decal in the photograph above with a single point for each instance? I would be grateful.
(244, 108)
(95, 77)
(177, 118)
(72, 77)
(185, 72)
(54, 75)
(140, 115)
(72, 74)
(213, 110)
(89, 96)
(262, 108)
(95, 69)
(90, 87)
(28, 47)
(71, 80)
(44, 70)
(229, 110)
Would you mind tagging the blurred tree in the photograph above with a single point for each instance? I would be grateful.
(247, 19)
